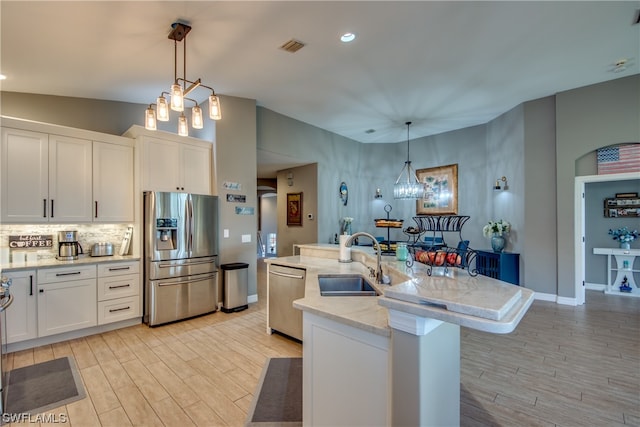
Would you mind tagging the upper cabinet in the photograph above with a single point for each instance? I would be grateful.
(45, 178)
(64, 178)
(173, 163)
(113, 197)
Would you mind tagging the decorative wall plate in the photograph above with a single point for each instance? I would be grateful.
(344, 193)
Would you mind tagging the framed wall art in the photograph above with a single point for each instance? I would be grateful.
(294, 208)
(440, 192)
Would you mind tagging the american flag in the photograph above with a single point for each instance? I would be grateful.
(619, 159)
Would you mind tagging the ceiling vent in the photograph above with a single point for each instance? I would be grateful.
(292, 46)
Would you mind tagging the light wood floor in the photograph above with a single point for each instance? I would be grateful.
(563, 366)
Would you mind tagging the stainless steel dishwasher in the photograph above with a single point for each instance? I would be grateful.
(285, 285)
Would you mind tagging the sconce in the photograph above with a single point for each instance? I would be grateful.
(378, 193)
(499, 186)
(290, 179)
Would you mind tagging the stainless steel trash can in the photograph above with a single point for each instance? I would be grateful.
(235, 284)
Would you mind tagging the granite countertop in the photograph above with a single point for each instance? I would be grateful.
(478, 302)
(53, 262)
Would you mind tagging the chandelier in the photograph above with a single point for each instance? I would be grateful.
(410, 188)
(179, 91)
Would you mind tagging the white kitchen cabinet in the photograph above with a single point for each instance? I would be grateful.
(119, 291)
(113, 197)
(20, 317)
(173, 163)
(66, 299)
(45, 178)
(345, 374)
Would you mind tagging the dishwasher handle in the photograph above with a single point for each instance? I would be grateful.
(291, 276)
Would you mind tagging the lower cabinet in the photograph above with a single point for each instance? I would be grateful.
(66, 299)
(118, 292)
(55, 300)
(345, 374)
(20, 317)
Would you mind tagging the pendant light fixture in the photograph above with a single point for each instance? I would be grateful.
(179, 91)
(409, 188)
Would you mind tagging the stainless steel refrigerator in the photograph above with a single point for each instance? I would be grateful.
(181, 256)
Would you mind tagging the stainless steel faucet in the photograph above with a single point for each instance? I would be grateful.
(349, 241)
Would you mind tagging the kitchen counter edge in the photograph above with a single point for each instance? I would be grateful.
(54, 263)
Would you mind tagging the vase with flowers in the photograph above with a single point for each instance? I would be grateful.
(624, 236)
(497, 230)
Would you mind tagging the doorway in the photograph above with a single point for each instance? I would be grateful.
(580, 230)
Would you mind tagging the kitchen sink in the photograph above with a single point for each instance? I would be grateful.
(345, 285)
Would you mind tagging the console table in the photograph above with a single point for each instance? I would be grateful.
(623, 268)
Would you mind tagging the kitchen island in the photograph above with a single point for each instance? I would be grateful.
(392, 359)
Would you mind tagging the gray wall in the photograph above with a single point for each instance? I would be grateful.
(598, 226)
(235, 161)
(539, 246)
(586, 119)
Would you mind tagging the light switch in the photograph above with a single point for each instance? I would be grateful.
(246, 238)
(226, 233)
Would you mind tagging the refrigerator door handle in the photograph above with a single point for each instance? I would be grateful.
(186, 264)
(186, 282)
(190, 224)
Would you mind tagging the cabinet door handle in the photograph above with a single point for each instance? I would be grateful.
(31, 285)
(51, 208)
(113, 310)
(96, 209)
(41, 291)
(68, 274)
(120, 286)
(44, 208)
(119, 268)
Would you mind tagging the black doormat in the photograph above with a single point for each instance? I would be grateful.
(278, 397)
(38, 388)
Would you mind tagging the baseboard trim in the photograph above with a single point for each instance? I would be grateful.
(595, 286)
(555, 298)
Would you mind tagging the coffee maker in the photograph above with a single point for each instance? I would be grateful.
(68, 246)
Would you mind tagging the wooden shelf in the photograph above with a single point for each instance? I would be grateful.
(627, 207)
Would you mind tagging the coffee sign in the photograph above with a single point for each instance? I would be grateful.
(27, 241)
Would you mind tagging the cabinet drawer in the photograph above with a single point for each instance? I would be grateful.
(118, 286)
(65, 274)
(118, 268)
(118, 309)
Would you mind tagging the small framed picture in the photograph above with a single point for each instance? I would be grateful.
(294, 208)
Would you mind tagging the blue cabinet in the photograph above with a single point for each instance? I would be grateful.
(503, 266)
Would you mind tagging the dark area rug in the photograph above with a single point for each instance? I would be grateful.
(38, 388)
(278, 397)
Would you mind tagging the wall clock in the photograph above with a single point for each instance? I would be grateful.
(344, 193)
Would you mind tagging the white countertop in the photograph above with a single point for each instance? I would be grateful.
(478, 302)
(53, 262)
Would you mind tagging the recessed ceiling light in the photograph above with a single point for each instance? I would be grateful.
(347, 37)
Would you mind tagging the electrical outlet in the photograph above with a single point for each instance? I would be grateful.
(246, 238)
(225, 233)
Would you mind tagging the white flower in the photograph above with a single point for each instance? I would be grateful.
(498, 227)
(347, 220)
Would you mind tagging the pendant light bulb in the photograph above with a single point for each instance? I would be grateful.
(183, 127)
(150, 119)
(214, 108)
(196, 118)
(177, 98)
(163, 109)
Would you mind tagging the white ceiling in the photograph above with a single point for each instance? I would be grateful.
(442, 65)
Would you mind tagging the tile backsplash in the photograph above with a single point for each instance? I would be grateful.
(88, 234)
